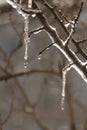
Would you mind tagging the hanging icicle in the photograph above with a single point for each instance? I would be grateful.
(26, 37)
(26, 40)
(29, 3)
(17, 4)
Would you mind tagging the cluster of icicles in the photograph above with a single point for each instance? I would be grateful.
(17, 4)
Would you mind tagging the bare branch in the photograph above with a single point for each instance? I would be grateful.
(11, 76)
(46, 48)
(81, 41)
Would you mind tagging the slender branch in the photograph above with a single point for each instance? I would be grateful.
(48, 47)
(29, 73)
(81, 41)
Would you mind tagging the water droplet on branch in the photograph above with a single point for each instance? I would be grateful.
(39, 57)
(33, 15)
(62, 103)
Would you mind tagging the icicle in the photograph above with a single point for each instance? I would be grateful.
(64, 73)
(26, 40)
(33, 15)
(26, 37)
(63, 90)
(29, 3)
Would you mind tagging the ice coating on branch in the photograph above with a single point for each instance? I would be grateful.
(51, 38)
(17, 6)
(64, 70)
(69, 37)
(81, 62)
(38, 31)
(61, 50)
(13, 4)
(67, 25)
(80, 72)
(64, 75)
(52, 28)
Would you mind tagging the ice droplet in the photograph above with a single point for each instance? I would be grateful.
(67, 25)
(33, 15)
(62, 102)
(25, 64)
(47, 48)
(39, 57)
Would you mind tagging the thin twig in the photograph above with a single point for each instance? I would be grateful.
(28, 73)
(46, 48)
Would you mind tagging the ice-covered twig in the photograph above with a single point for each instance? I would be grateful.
(30, 11)
(72, 24)
(21, 10)
(36, 31)
(64, 18)
(76, 18)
